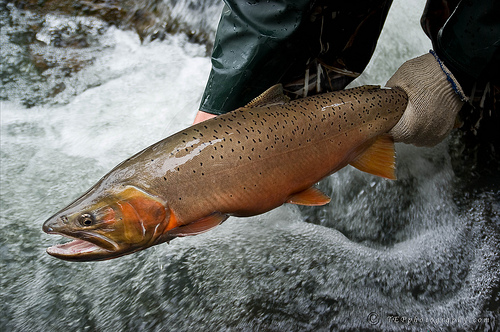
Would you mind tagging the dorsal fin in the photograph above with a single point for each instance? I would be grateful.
(272, 96)
(367, 87)
(378, 159)
(309, 197)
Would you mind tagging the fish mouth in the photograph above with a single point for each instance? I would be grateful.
(79, 250)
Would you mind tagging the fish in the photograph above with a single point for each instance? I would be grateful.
(243, 163)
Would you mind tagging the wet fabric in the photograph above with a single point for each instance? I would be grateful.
(310, 46)
(466, 36)
(318, 46)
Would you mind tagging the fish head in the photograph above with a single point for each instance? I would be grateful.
(110, 225)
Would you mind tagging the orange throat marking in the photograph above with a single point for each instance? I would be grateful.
(172, 222)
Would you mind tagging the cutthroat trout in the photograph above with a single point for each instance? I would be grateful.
(242, 163)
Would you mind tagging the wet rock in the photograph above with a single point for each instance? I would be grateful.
(110, 11)
(44, 42)
(39, 50)
(148, 18)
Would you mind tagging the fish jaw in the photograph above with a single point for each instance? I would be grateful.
(120, 223)
(79, 251)
(82, 250)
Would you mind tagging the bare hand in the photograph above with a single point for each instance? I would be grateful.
(202, 116)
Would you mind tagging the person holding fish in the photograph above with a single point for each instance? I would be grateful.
(318, 46)
(267, 150)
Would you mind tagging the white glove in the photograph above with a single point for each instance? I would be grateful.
(434, 99)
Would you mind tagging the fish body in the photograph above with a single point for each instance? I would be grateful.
(242, 163)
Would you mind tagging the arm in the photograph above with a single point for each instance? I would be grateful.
(467, 51)
(469, 42)
(249, 51)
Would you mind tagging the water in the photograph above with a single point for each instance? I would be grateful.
(420, 253)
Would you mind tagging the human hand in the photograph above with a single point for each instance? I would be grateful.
(434, 99)
(202, 116)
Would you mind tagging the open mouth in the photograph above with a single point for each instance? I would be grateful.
(74, 247)
(78, 250)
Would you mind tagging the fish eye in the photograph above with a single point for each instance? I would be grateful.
(86, 219)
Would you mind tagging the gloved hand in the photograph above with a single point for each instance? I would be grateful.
(434, 99)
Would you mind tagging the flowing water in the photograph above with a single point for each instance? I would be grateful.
(420, 253)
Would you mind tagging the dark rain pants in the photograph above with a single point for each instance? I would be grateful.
(319, 46)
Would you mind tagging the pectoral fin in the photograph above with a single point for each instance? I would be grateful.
(309, 197)
(199, 226)
(378, 159)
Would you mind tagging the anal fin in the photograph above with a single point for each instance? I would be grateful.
(379, 158)
(200, 226)
(309, 197)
